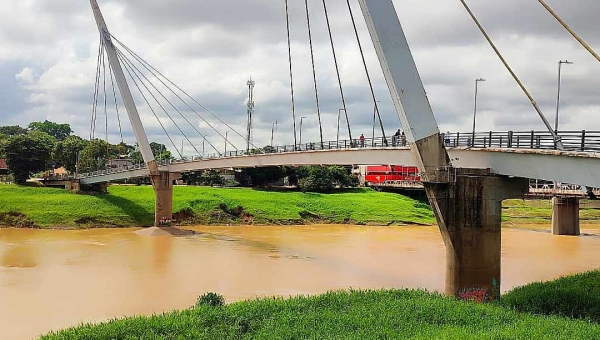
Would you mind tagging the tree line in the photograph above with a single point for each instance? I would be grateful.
(48, 145)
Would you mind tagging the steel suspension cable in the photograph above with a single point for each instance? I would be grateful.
(134, 69)
(96, 90)
(570, 30)
(105, 107)
(312, 58)
(337, 69)
(174, 107)
(152, 69)
(559, 144)
(112, 81)
(167, 100)
(149, 106)
(362, 54)
(289, 46)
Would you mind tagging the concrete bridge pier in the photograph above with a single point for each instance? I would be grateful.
(565, 216)
(162, 182)
(470, 217)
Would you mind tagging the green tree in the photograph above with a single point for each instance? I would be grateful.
(65, 152)
(28, 154)
(3, 140)
(325, 179)
(58, 131)
(265, 175)
(95, 154)
(159, 151)
(211, 177)
(13, 130)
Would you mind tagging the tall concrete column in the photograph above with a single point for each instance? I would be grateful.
(470, 220)
(565, 216)
(162, 182)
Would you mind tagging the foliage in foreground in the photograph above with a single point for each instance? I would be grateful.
(134, 206)
(576, 296)
(398, 314)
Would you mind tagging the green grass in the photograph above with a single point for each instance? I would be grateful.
(393, 314)
(540, 211)
(134, 206)
(576, 296)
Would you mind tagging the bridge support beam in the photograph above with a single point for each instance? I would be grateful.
(565, 216)
(162, 182)
(470, 220)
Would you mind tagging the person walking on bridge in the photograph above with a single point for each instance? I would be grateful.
(362, 140)
(403, 138)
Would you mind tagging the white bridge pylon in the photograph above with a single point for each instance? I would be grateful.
(132, 112)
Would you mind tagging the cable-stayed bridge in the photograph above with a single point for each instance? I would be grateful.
(466, 176)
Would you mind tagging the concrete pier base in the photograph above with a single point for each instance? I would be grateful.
(162, 183)
(565, 216)
(469, 214)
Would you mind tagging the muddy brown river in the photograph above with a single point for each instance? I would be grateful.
(55, 279)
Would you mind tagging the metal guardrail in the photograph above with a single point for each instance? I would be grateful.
(580, 141)
(311, 146)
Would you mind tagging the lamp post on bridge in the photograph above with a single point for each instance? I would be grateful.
(273, 131)
(374, 114)
(560, 63)
(475, 109)
(301, 120)
(338, 127)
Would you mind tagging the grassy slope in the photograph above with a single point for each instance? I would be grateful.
(133, 205)
(540, 211)
(397, 314)
(576, 296)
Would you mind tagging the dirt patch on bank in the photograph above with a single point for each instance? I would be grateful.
(15, 220)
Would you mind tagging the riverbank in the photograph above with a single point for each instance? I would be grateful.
(539, 212)
(398, 314)
(133, 206)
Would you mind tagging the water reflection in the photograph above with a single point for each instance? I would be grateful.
(62, 278)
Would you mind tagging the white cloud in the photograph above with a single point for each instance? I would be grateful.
(211, 47)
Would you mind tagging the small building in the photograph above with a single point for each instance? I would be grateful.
(3, 167)
(114, 163)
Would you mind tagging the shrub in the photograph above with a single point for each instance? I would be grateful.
(210, 299)
(571, 296)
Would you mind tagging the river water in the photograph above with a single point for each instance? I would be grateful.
(51, 279)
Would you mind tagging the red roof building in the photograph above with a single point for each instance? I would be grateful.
(3, 167)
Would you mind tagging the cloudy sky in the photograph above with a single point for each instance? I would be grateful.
(48, 54)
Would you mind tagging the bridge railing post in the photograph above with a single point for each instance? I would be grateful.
(582, 140)
(510, 139)
(532, 136)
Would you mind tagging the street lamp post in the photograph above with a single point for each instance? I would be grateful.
(475, 109)
(301, 120)
(225, 154)
(374, 114)
(273, 130)
(338, 127)
(560, 63)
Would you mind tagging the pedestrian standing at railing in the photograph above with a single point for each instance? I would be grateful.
(362, 140)
(403, 138)
(396, 138)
